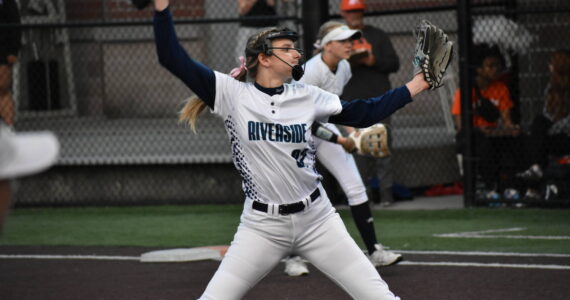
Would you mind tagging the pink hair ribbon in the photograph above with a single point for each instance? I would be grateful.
(236, 71)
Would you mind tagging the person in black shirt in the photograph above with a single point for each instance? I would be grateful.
(253, 8)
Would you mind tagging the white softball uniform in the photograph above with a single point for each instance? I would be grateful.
(274, 152)
(340, 163)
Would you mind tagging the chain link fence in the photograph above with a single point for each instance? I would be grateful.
(88, 71)
(525, 157)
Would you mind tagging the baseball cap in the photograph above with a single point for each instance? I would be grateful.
(341, 33)
(347, 5)
(26, 153)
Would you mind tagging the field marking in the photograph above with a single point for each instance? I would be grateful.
(78, 257)
(482, 234)
(480, 253)
(484, 265)
(115, 257)
(404, 263)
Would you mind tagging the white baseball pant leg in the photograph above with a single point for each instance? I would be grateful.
(317, 234)
(329, 247)
(261, 241)
(343, 167)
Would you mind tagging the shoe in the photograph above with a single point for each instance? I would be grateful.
(295, 266)
(434, 190)
(532, 195)
(457, 189)
(511, 194)
(533, 173)
(383, 258)
(492, 195)
(550, 192)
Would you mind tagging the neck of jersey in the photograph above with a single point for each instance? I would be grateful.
(270, 91)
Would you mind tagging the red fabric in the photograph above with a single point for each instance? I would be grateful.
(442, 190)
(352, 5)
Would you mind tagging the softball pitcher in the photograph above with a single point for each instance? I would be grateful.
(330, 70)
(269, 125)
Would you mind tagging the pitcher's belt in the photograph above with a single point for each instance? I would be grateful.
(287, 209)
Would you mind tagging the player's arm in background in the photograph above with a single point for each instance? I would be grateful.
(160, 5)
(320, 131)
(362, 113)
(312, 77)
(171, 55)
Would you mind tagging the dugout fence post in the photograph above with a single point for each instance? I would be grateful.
(465, 83)
(315, 13)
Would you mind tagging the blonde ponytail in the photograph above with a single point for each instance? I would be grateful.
(191, 111)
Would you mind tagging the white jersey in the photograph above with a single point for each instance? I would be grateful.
(270, 136)
(332, 156)
(319, 74)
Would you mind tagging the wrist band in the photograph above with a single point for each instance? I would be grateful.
(324, 133)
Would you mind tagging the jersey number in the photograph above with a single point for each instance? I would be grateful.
(299, 156)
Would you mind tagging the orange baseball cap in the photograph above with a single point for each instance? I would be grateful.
(347, 5)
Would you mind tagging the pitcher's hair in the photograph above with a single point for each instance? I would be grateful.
(192, 109)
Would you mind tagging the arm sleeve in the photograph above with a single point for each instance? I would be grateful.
(367, 112)
(326, 104)
(198, 77)
(323, 133)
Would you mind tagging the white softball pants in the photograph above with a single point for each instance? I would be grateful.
(343, 167)
(317, 234)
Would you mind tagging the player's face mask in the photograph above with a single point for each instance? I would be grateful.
(267, 48)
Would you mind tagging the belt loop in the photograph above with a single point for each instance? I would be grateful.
(273, 209)
(307, 202)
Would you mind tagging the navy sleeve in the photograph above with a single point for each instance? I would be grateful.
(198, 77)
(362, 113)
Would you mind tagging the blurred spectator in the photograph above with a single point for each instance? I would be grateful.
(10, 43)
(550, 131)
(374, 58)
(20, 155)
(495, 137)
(253, 8)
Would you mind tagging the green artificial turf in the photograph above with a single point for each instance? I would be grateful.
(201, 225)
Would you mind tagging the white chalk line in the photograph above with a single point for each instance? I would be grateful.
(68, 257)
(420, 252)
(405, 263)
(480, 253)
(482, 234)
(526, 237)
(485, 265)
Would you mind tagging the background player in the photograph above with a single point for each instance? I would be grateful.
(376, 59)
(330, 70)
(268, 123)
